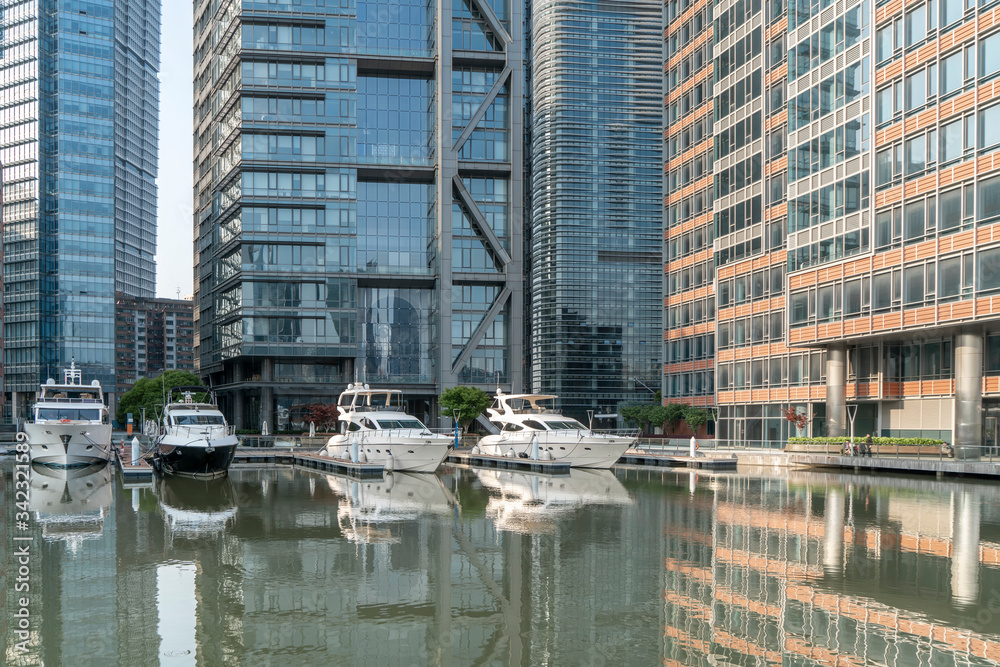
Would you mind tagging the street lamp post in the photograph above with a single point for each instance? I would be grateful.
(456, 414)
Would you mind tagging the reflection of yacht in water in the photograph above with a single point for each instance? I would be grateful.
(522, 501)
(196, 507)
(70, 503)
(367, 504)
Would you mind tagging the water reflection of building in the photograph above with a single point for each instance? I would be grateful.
(71, 563)
(831, 570)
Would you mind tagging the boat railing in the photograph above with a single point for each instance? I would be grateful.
(535, 411)
(618, 432)
(196, 430)
(50, 399)
(387, 436)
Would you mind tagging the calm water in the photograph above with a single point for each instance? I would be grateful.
(469, 567)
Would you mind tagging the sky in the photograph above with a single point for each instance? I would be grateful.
(174, 251)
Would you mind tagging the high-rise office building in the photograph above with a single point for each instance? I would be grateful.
(78, 145)
(358, 199)
(596, 212)
(848, 227)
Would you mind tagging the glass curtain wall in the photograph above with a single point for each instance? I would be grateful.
(78, 148)
(596, 206)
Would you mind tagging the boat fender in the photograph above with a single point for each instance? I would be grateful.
(474, 452)
(523, 455)
(511, 454)
(546, 455)
(347, 454)
(362, 457)
(390, 462)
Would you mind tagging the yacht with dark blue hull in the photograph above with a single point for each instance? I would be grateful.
(194, 440)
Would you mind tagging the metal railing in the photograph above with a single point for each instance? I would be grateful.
(706, 444)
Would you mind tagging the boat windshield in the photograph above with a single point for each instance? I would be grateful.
(564, 425)
(198, 420)
(75, 414)
(383, 401)
(531, 405)
(400, 423)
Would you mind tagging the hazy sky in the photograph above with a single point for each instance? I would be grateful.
(173, 244)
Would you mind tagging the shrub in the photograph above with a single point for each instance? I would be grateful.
(875, 441)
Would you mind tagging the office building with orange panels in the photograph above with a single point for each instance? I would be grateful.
(832, 217)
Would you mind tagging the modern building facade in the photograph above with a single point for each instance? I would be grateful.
(855, 264)
(595, 212)
(357, 200)
(152, 336)
(78, 144)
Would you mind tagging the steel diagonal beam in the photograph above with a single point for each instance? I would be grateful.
(481, 111)
(492, 20)
(479, 221)
(480, 331)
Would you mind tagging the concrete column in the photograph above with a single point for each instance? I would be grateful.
(833, 534)
(968, 394)
(239, 409)
(965, 549)
(267, 394)
(836, 390)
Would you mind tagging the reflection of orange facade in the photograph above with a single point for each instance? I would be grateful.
(735, 566)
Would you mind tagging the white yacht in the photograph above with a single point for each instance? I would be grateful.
(194, 440)
(71, 426)
(528, 502)
(374, 428)
(531, 427)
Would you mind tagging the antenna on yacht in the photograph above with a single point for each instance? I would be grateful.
(498, 383)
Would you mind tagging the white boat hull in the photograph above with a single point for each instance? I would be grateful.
(72, 444)
(409, 454)
(585, 452)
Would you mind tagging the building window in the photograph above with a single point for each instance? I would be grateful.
(989, 270)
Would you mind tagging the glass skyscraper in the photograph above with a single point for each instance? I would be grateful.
(596, 207)
(358, 200)
(78, 145)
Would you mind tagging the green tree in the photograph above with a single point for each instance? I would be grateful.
(674, 415)
(150, 393)
(469, 400)
(632, 414)
(695, 417)
(656, 415)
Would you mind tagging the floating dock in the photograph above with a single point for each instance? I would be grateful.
(138, 473)
(312, 461)
(671, 461)
(509, 463)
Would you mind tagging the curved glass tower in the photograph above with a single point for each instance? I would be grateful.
(596, 210)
